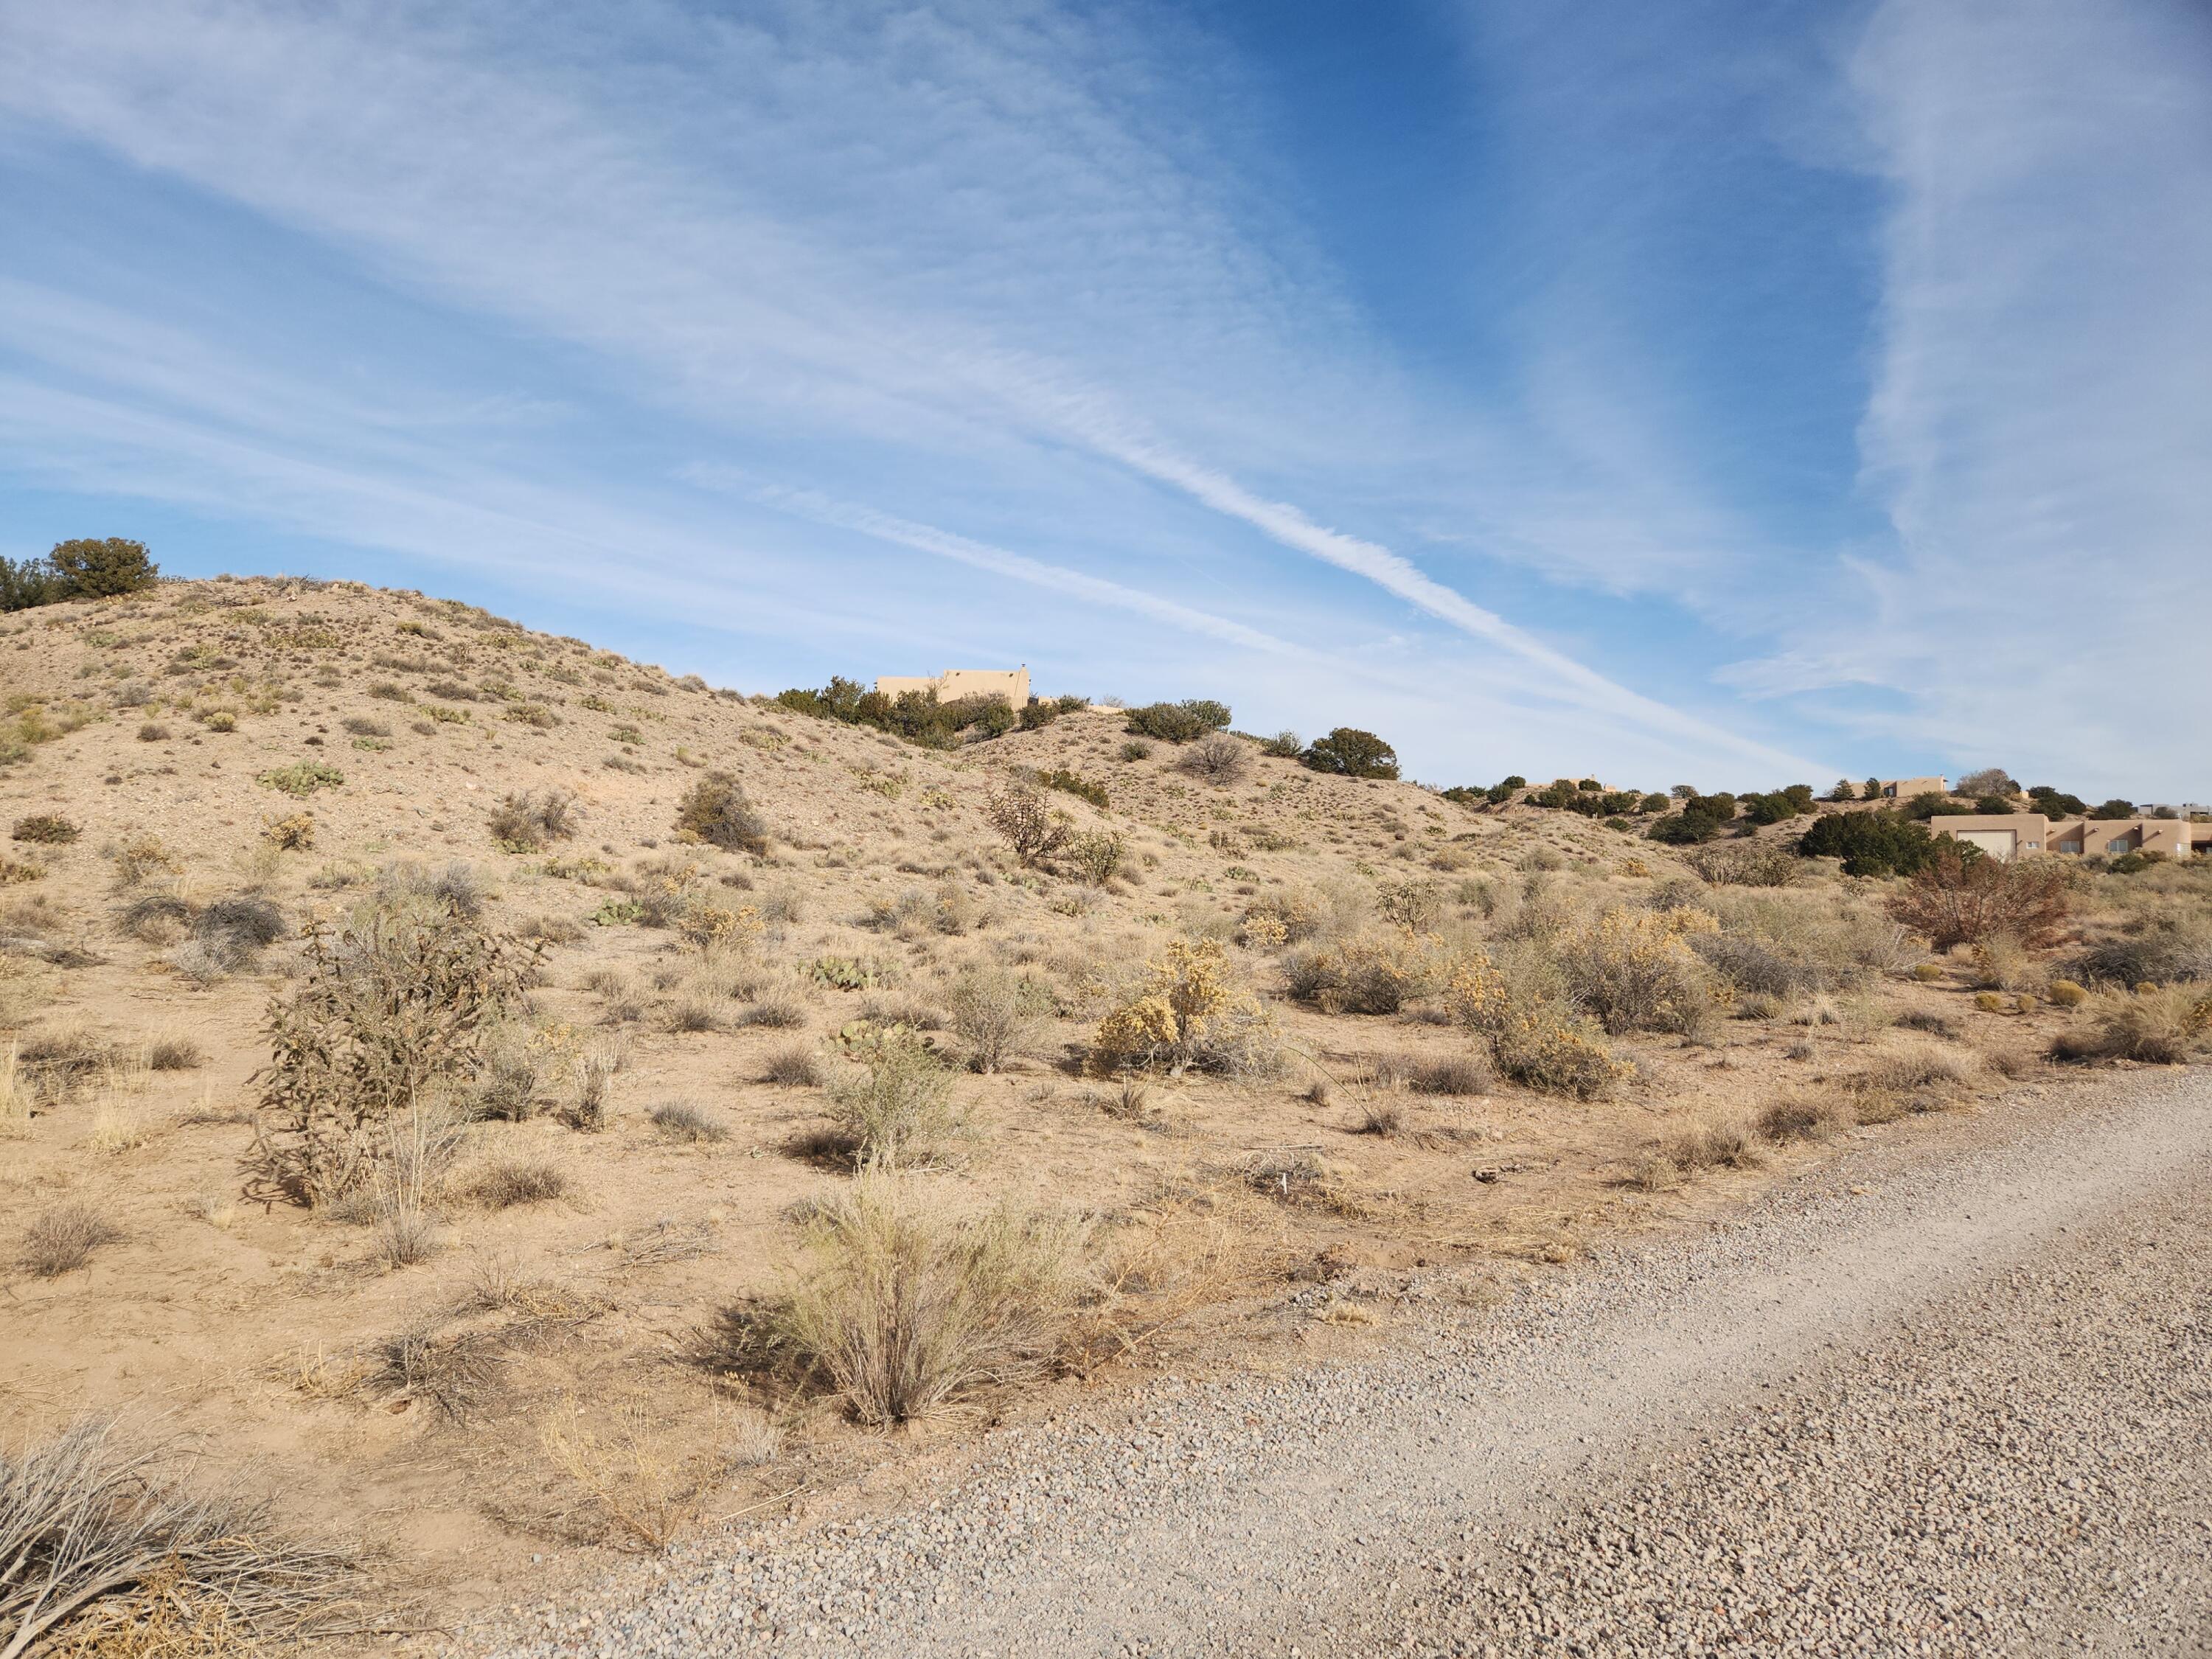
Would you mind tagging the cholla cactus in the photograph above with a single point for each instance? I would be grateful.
(1186, 997)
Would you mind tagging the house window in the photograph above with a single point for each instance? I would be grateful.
(2035, 847)
(2118, 844)
(2070, 846)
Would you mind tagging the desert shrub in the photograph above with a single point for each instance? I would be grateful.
(45, 829)
(391, 1011)
(109, 1553)
(2002, 962)
(525, 822)
(1634, 971)
(1177, 722)
(1349, 752)
(1745, 864)
(294, 833)
(993, 1014)
(1031, 831)
(1096, 855)
(2066, 994)
(1447, 1074)
(1283, 745)
(153, 918)
(1217, 757)
(903, 1309)
(152, 731)
(61, 1238)
(1533, 1037)
(716, 811)
(175, 1054)
(507, 1182)
(890, 1096)
(678, 1120)
(1908, 1070)
(245, 923)
(1067, 782)
(1371, 974)
(2163, 1026)
(140, 856)
(1185, 1013)
(1135, 749)
(1883, 843)
(1958, 899)
(360, 725)
(453, 886)
(303, 778)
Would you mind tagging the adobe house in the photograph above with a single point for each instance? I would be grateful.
(2019, 835)
(1906, 788)
(955, 684)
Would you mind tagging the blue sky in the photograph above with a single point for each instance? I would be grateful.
(1735, 393)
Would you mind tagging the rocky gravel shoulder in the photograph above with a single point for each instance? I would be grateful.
(1951, 1395)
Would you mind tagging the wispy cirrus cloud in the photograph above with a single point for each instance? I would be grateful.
(2039, 426)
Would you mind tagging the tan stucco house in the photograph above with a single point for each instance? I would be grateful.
(955, 684)
(1906, 788)
(2024, 835)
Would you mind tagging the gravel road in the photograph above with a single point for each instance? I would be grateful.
(1951, 1396)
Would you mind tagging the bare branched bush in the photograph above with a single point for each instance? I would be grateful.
(97, 1535)
(1634, 971)
(389, 1013)
(1958, 899)
(453, 886)
(903, 1308)
(1031, 829)
(994, 1013)
(1217, 758)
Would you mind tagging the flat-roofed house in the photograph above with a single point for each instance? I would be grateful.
(1906, 788)
(955, 684)
(2024, 835)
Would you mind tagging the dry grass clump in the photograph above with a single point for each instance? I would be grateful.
(45, 830)
(890, 1096)
(1695, 1151)
(1745, 864)
(796, 1066)
(454, 886)
(526, 822)
(1908, 1070)
(507, 1182)
(904, 1308)
(776, 1014)
(105, 1547)
(678, 1120)
(61, 1238)
(638, 1487)
(2160, 1026)
(1800, 1117)
(2002, 962)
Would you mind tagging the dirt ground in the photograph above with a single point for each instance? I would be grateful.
(548, 1389)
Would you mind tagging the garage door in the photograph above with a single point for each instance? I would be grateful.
(1998, 843)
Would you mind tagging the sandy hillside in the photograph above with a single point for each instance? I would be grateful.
(551, 1377)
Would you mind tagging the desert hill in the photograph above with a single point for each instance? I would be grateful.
(530, 1337)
